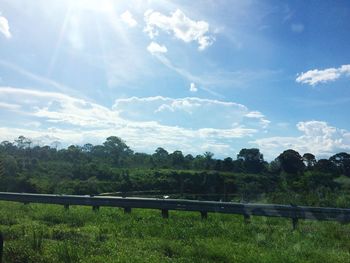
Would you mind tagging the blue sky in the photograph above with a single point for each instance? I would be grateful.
(190, 75)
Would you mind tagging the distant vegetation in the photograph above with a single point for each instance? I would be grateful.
(114, 167)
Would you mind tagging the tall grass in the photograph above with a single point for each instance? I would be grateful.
(48, 233)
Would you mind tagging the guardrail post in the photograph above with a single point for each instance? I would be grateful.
(165, 213)
(204, 214)
(1, 246)
(66, 207)
(246, 218)
(127, 210)
(294, 218)
(295, 222)
(95, 208)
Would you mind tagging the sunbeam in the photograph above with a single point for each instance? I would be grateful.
(59, 41)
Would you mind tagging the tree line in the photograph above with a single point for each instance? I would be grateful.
(113, 166)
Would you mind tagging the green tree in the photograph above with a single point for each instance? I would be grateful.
(177, 159)
(23, 142)
(252, 160)
(326, 166)
(291, 162)
(342, 161)
(188, 161)
(161, 157)
(116, 149)
(309, 160)
(87, 148)
(208, 157)
(199, 162)
(227, 164)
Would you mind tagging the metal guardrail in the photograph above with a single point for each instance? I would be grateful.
(204, 207)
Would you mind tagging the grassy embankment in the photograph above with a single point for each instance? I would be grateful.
(47, 233)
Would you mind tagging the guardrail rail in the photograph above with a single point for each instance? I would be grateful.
(204, 207)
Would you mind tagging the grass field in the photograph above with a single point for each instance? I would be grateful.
(47, 233)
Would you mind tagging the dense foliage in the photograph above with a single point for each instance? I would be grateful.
(114, 167)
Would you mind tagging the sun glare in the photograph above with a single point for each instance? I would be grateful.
(104, 6)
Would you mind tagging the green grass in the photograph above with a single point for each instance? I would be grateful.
(47, 233)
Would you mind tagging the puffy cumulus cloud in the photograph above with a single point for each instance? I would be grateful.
(315, 76)
(193, 87)
(317, 137)
(180, 25)
(128, 19)
(4, 27)
(155, 48)
(139, 121)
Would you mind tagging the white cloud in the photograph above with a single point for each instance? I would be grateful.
(155, 48)
(317, 137)
(297, 28)
(9, 106)
(187, 75)
(145, 123)
(259, 116)
(193, 87)
(4, 27)
(56, 107)
(190, 112)
(316, 76)
(128, 19)
(219, 78)
(37, 78)
(254, 114)
(180, 25)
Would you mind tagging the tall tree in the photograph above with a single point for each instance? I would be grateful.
(227, 164)
(188, 161)
(252, 160)
(208, 156)
(117, 149)
(326, 166)
(177, 159)
(160, 157)
(342, 161)
(309, 160)
(23, 142)
(291, 162)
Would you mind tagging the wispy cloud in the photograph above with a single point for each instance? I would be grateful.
(316, 76)
(209, 81)
(4, 27)
(180, 25)
(187, 75)
(188, 112)
(40, 79)
(9, 106)
(297, 28)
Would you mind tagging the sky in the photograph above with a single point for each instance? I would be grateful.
(194, 76)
